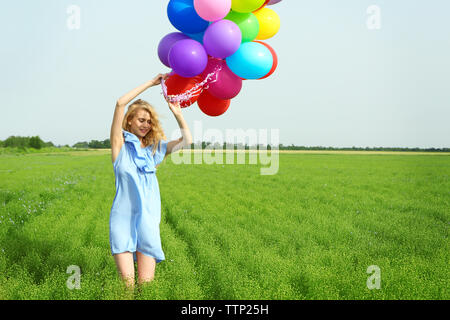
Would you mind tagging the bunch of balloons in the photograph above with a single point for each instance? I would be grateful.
(215, 49)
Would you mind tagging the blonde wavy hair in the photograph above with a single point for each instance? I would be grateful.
(156, 133)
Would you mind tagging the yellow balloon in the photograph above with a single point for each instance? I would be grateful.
(269, 23)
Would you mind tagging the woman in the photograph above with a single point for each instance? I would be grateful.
(138, 146)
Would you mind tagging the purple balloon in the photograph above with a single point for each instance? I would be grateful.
(222, 39)
(271, 2)
(166, 44)
(188, 58)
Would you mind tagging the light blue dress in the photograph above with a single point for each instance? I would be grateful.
(136, 210)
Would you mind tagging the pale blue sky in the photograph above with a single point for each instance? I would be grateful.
(338, 83)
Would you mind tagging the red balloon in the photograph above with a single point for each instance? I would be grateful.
(177, 84)
(275, 59)
(212, 106)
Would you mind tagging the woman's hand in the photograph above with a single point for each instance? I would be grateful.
(157, 80)
(175, 108)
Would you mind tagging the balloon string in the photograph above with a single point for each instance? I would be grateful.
(194, 91)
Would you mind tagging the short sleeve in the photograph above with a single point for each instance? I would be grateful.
(160, 153)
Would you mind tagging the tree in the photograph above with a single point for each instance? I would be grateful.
(107, 144)
(18, 142)
(83, 144)
(95, 144)
(48, 144)
(36, 142)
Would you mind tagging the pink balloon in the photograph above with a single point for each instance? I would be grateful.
(228, 85)
(212, 10)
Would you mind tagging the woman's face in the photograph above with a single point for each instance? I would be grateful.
(141, 123)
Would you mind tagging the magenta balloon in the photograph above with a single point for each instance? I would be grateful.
(228, 85)
(222, 39)
(188, 58)
(166, 44)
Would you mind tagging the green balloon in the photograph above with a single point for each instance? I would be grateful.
(246, 5)
(247, 22)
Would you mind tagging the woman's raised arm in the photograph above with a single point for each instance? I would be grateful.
(116, 136)
(186, 137)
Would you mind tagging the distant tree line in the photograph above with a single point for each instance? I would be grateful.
(25, 142)
(37, 143)
(293, 147)
(241, 146)
(93, 144)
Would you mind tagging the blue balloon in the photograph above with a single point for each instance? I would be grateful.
(252, 61)
(197, 36)
(183, 16)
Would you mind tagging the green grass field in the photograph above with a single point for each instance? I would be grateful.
(309, 232)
